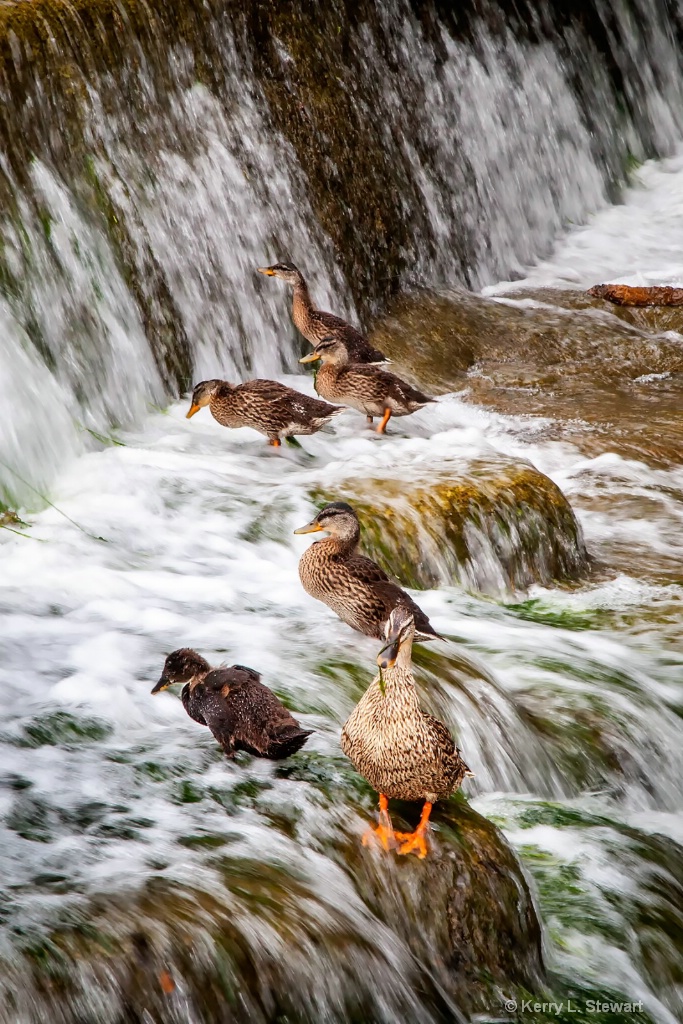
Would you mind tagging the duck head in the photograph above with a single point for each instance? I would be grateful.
(338, 519)
(202, 395)
(182, 666)
(328, 350)
(287, 271)
(400, 631)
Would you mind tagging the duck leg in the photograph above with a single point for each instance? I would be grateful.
(275, 441)
(369, 420)
(384, 833)
(416, 840)
(382, 426)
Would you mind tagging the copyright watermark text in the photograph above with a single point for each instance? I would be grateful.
(569, 1006)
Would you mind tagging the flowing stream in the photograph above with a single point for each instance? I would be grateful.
(115, 808)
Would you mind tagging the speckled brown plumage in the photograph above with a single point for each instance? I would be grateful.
(315, 324)
(240, 711)
(403, 752)
(353, 586)
(370, 389)
(265, 405)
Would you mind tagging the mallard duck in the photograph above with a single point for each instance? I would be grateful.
(265, 405)
(370, 389)
(350, 584)
(315, 324)
(403, 752)
(240, 711)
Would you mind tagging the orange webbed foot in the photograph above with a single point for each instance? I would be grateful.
(417, 840)
(413, 841)
(384, 833)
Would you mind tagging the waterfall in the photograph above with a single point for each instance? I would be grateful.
(151, 160)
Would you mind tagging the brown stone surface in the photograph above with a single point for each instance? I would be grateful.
(626, 295)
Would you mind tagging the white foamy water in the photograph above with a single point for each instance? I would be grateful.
(636, 242)
(184, 537)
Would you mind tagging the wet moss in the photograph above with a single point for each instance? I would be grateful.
(61, 729)
(430, 532)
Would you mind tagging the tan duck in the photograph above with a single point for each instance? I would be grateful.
(315, 324)
(370, 389)
(240, 711)
(265, 405)
(353, 586)
(403, 752)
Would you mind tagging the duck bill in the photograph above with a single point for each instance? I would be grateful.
(268, 271)
(389, 653)
(192, 410)
(311, 527)
(312, 357)
(162, 684)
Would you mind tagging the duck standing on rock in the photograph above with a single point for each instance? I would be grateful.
(350, 584)
(370, 389)
(315, 324)
(265, 405)
(240, 711)
(403, 752)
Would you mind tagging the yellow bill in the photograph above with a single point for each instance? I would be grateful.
(310, 528)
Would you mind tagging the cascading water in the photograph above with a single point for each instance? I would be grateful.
(143, 182)
(151, 159)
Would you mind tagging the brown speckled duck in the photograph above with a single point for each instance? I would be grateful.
(370, 389)
(240, 711)
(265, 405)
(315, 324)
(403, 752)
(350, 584)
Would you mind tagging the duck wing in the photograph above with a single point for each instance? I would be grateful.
(249, 716)
(380, 594)
(373, 384)
(275, 404)
(359, 348)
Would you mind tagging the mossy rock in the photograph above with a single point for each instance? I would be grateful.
(258, 943)
(432, 531)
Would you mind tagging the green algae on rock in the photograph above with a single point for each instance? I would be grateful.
(112, 950)
(435, 529)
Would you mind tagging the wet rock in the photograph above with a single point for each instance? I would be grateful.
(490, 526)
(551, 352)
(255, 941)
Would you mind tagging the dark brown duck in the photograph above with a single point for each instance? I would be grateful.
(264, 405)
(240, 711)
(315, 324)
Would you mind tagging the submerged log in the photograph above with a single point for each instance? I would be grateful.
(625, 295)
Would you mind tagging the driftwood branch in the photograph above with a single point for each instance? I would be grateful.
(624, 295)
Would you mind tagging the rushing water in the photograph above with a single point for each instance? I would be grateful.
(140, 190)
(117, 813)
(182, 534)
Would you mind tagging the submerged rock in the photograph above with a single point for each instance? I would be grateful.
(245, 939)
(491, 526)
